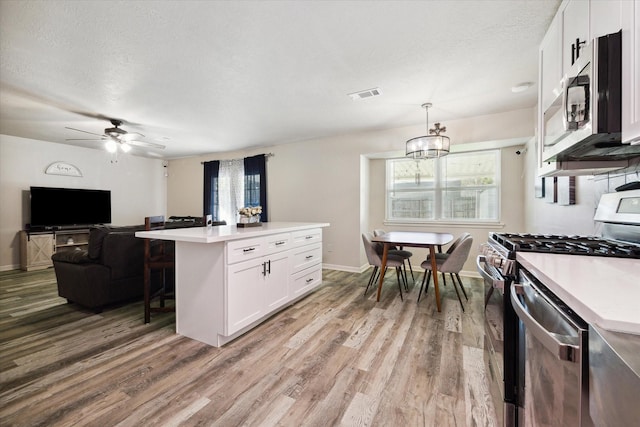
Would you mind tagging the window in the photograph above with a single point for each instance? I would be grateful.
(458, 187)
(232, 184)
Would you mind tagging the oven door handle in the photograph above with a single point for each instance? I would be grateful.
(563, 346)
(480, 263)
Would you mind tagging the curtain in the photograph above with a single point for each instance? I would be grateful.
(210, 205)
(255, 183)
(231, 179)
(232, 184)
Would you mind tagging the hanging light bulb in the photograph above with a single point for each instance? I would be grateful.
(111, 146)
(431, 145)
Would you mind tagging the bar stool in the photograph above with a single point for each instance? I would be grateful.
(159, 257)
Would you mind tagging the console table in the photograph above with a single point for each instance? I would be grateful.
(230, 279)
(37, 247)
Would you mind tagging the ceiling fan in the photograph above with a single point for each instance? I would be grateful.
(115, 137)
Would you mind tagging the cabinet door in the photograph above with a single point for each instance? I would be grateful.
(575, 32)
(276, 288)
(550, 66)
(305, 257)
(605, 17)
(278, 242)
(36, 250)
(306, 280)
(631, 71)
(245, 300)
(245, 249)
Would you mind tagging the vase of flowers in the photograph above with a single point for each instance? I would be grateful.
(250, 215)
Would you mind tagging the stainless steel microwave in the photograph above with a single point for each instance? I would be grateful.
(585, 121)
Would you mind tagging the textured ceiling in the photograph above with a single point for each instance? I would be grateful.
(203, 77)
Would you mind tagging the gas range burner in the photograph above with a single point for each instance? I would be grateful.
(573, 245)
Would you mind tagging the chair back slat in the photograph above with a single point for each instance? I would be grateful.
(154, 222)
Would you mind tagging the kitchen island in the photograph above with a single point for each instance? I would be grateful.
(229, 279)
(604, 291)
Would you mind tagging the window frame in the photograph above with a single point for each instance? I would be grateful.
(439, 188)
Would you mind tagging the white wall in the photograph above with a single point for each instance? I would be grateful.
(137, 184)
(321, 179)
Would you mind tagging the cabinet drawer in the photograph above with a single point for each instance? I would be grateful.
(305, 257)
(278, 242)
(306, 237)
(241, 250)
(306, 280)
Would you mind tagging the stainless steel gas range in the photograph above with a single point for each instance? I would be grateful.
(536, 345)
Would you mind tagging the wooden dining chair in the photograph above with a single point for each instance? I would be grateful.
(451, 264)
(375, 260)
(159, 262)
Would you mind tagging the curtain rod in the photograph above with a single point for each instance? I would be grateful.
(267, 155)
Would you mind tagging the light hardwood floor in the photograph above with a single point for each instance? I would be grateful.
(334, 358)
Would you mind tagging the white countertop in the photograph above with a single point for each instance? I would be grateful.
(223, 233)
(604, 291)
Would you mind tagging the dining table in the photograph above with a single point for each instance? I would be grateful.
(415, 239)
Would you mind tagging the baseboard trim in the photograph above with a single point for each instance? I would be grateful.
(362, 269)
(346, 268)
(10, 267)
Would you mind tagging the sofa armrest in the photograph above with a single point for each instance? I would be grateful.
(73, 257)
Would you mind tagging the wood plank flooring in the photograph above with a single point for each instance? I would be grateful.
(335, 358)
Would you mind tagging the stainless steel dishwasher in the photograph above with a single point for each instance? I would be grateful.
(555, 358)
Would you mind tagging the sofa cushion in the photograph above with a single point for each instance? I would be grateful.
(98, 233)
(96, 237)
(77, 256)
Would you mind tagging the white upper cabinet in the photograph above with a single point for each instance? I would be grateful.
(550, 65)
(575, 32)
(572, 31)
(631, 71)
(605, 17)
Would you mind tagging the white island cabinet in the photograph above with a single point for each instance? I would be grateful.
(230, 279)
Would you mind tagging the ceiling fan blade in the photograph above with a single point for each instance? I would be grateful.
(146, 144)
(83, 139)
(84, 131)
(131, 136)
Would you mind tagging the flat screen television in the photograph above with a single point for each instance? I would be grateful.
(65, 207)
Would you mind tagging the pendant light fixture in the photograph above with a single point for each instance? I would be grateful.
(431, 145)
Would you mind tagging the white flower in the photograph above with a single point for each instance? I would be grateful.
(249, 211)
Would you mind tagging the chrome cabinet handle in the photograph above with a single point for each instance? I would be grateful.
(309, 280)
(309, 237)
(563, 346)
(309, 257)
(280, 243)
(248, 250)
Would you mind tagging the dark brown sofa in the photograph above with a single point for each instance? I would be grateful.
(109, 271)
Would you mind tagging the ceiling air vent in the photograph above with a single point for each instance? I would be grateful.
(369, 93)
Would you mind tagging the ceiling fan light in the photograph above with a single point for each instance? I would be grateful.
(111, 146)
(125, 147)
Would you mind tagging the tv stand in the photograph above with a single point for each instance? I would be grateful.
(37, 247)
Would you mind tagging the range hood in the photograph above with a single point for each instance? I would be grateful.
(579, 168)
(591, 156)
